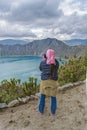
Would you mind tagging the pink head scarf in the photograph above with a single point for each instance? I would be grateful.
(50, 54)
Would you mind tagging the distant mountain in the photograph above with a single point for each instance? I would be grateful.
(38, 47)
(74, 42)
(12, 42)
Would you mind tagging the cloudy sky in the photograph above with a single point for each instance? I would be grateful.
(38, 19)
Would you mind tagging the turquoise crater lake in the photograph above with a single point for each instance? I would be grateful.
(20, 67)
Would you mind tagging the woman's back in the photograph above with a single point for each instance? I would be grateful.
(46, 70)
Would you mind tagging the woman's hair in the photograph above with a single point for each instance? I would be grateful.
(52, 70)
(50, 54)
(44, 56)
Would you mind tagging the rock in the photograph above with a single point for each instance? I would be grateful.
(70, 85)
(64, 87)
(12, 121)
(33, 97)
(13, 103)
(37, 94)
(84, 81)
(20, 100)
(26, 123)
(3, 105)
(12, 111)
(24, 100)
(78, 83)
(28, 98)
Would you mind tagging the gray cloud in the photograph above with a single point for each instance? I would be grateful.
(20, 35)
(73, 25)
(26, 10)
(44, 17)
(5, 6)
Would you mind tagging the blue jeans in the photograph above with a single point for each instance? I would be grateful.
(42, 104)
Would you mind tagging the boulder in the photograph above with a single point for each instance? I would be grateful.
(13, 103)
(24, 99)
(64, 87)
(78, 83)
(37, 94)
(3, 105)
(33, 97)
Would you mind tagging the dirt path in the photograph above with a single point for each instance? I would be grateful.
(71, 113)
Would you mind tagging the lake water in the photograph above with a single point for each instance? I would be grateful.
(20, 67)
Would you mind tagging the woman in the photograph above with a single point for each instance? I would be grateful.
(49, 77)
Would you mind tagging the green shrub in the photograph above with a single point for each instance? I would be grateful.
(10, 90)
(74, 70)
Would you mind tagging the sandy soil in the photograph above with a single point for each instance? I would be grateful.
(71, 113)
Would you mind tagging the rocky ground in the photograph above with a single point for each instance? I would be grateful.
(71, 113)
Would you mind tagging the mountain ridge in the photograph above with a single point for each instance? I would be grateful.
(38, 47)
(73, 42)
(12, 42)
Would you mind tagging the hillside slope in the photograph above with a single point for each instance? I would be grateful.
(71, 113)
